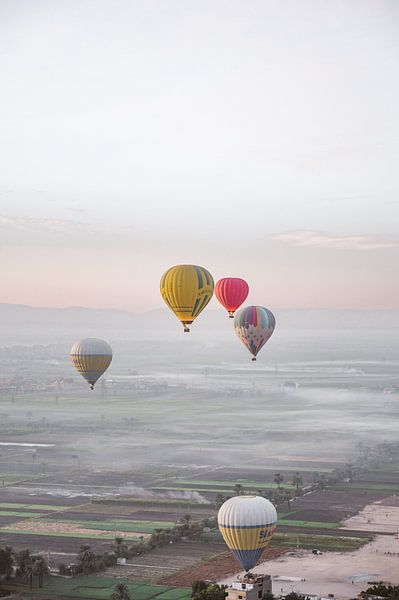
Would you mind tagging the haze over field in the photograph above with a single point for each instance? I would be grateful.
(326, 381)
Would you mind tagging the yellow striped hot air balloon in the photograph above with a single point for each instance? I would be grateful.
(247, 524)
(187, 289)
(91, 357)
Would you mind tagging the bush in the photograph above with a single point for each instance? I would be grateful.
(63, 569)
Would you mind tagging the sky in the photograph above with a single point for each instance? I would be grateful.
(257, 138)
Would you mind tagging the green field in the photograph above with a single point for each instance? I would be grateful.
(100, 588)
(7, 479)
(391, 468)
(310, 524)
(16, 506)
(24, 515)
(279, 468)
(321, 542)
(307, 540)
(17, 430)
(366, 487)
(223, 490)
(230, 484)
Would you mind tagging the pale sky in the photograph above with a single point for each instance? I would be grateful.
(256, 138)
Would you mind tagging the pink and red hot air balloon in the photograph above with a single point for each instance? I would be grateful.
(231, 293)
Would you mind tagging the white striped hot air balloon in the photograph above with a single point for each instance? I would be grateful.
(247, 524)
(91, 357)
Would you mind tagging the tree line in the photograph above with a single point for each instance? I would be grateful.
(22, 566)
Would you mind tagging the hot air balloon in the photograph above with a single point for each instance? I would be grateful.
(186, 289)
(91, 357)
(254, 325)
(231, 293)
(247, 524)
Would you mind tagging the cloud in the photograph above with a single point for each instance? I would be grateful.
(43, 231)
(35, 222)
(314, 239)
(79, 210)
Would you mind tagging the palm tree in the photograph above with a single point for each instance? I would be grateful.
(278, 479)
(121, 548)
(121, 592)
(187, 519)
(6, 561)
(395, 593)
(164, 537)
(238, 488)
(321, 481)
(40, 568)
(155, 535)
(86, 558)
(220, 499)
(29, 572)
(287, 499)
(3, 417)
(349, 470)
(277, 497)
(175, 533)
(198, 587)
(140, 547)
(297, 480)
(23, 558)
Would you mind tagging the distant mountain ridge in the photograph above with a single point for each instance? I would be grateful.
(39, 314)
(19, 316)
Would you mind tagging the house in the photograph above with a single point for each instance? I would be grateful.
(249, 587)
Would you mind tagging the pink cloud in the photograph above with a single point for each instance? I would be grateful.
(314, 239)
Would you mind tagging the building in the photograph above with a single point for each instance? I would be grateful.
(250, 586)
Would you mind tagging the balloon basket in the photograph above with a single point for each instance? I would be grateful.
(253, 359)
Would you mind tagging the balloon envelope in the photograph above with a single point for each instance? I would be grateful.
(254, 325)
(186, 289)
(247, 524)
(91, 357)
(231, 293)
